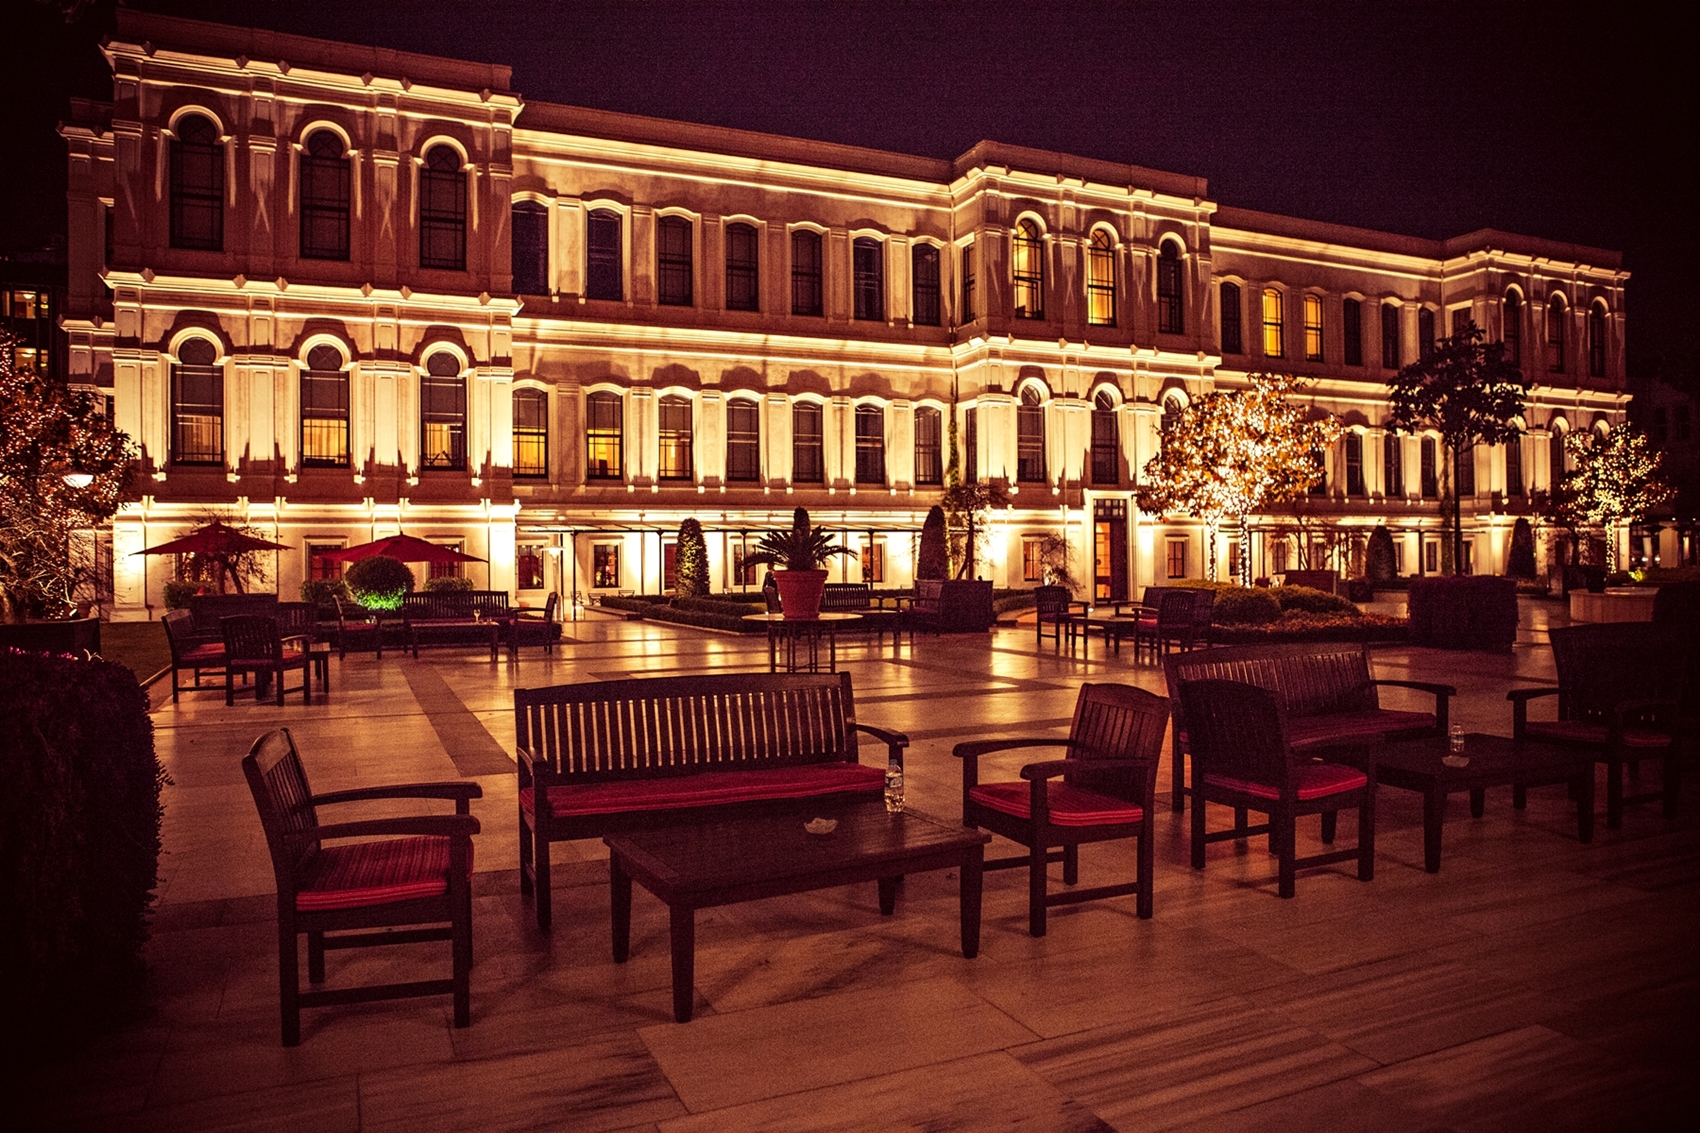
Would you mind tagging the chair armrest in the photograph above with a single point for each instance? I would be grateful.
(1420, 686)
(459, 791)
(973, 749)
(1051, 768)
(1519, 698)
(443, 825)
(1523, 695)
(895, 742)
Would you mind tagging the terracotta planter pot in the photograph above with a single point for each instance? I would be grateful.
(800, 593)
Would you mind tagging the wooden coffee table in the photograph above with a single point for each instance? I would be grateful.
(700, 864)
(1495, 761)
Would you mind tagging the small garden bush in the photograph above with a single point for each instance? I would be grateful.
(452, 584)
(1297, 625)
(379, 582)
(325, 591)
(177, 594)
(79, 843)
(1307, 600)
(1240, 606)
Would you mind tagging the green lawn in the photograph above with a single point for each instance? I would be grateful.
(140, 645)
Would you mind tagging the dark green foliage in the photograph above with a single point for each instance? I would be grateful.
(1297, 626)
(1464, 612)
(1311, 601)
(79, 843)
(379, 582)
(933, 558)
(451, 583)
(691, 561)
(177, 594)
(1378, 557)
(705, 613)
(803, 547)
(325, 591)
(1520, 561)
(1238, 605)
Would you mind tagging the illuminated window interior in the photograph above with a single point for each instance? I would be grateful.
(1101, 280)
(1027, 270)
(1274, 344)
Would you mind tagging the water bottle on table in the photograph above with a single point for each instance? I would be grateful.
(894, 784)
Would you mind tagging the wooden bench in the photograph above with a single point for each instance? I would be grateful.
(952, 605)
(858, 598)
(454, 617)
(1326, 693)
(605, 757)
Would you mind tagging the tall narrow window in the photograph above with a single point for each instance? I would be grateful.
(924, 272)
(1393, 466)
(1430, 474)
(1514, 466)
(1513, 331)
(604, 256)
(868, 268)
(1106, 441)
(929, 463)
(673, 261)
(531, 433)
(1172, 410)
(1461, 321)
(1232, 340)
(1425, 333)
(1313, 328)
(197, 186)
(442, 211)
(1274, 342)
(1597, 341)
(969, 310)
(197, 405)
(604, 437)
(442, 414)
(1390, 352)
(324, 198)
(743, 440)
(1171, 318)
(805, 273)
(1466, 467)
(1030, 438)
(743, 263)
(806, 444)
(530, 249)
(870, 444)
(970, 446)
(1354, 464)
(1555, 458)
(1027, 268)
(1352, 326)
(1555, 334)
(324, 410)
(675, 427)
(1101, 280)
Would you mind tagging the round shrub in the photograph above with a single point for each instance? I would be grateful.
(324, 591)
(452, 583)
(1309, 601)
(379, 582)
(1240, 606)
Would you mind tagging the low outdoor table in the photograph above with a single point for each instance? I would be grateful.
(1495, 761)
(701, 864)
(319, 653)
(1114, 625)
(786, 635)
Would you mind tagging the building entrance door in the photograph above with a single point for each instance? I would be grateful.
(1109, 551)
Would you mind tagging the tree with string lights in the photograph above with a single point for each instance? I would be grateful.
(63, 469)
(1618, 479)
(1232, 453)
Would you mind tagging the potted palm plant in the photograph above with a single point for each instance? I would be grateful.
(798, 557)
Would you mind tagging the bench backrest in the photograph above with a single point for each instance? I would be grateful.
(207, 609)
(1307, 679)
(847, 597)
(452, 604)
(656, 727)
(1602, 665)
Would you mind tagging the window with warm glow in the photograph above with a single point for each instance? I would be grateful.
(324, 409)
(605, 566)
(1175, 558)
(318, 566)
(1274, 344)
(1101, 280)
(873, 561)
(1027, 271)
(531, 433)
(197, 405)
(1313, 328)
(1032, 560)
(528, 566)
(442, 414)
(604, 437)
(674, 417)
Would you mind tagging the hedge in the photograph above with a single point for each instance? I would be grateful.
(1300, 626)
(79, 843)
(1464, 612)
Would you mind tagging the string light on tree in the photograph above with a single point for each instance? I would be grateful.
(1618, 479)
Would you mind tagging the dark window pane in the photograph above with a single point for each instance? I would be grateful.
(1393, 466)
(929, 464)
(1030, 439)
(1106, 442)
(673, 261)
(868, 261)
(1430, 475)
(530, 248)
(806, 465)
(1170, 314)
(197, 186)
(1354, 464)
(604, 259)
(531, 433)
(1513, 329)
(1425, 333)
(970, 446)
(442, 211)
(324, 198)
(743, 276)
(1390, 337)
(1351, 322)
(925, 268)
(1597, 342)
(604, 437)
(1466, 467)
(1232, 342)
(969, 311)
(743, 441)
(870, 444)
(1514, 467)
(805, 273)
(1555, 334)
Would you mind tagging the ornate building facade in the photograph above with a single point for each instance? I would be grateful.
(342, 291)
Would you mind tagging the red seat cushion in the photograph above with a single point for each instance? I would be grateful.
(709, 788)
(1314, 781)
(1346, 727)
(1069, 806)
(1582, 732)
(375, 873)
(209, 654)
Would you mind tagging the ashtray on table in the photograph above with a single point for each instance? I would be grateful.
(821, 825)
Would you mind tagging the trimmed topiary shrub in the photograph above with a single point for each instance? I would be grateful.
(1240, 606)
(452, 583)
(379, 582)
(1379, 565)
(1310, 601)
(1464, 612)
(79, 843)
(932, 560)
(1520, 560)
(690, 561)
(325, 591)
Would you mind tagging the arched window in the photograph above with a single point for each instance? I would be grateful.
(1513, 329)
(1232, 340)
(604, 258)
(1555, 334)
(1354, 464)
(1555, 458)
(1274, 339)
(604, 437)
(442, 210)
(197, 186)
(1597, 340)
(970, 311)
(530, 248)
(531, 433)
(1313, 328)
(929, 455)
(324, 409)
(1171, 317)
(197, 404)
(1393, 466)
(1030, 438)
(1106, 441)
(807, 444)
(1425, 333)
(1101, 280)
(805, 272)
(743, 274)
(1390, 352)
(743, 440)
(1514, 466)
(442, 414)
(870, 444)
(324, 198)
(1430, 474)
(1027, 267)
(675, 424)
(673, 262)
(1352, 331)
(924, 281)
(868, 268)
(1172, 410)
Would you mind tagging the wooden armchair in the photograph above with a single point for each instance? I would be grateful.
(1171, 623)
(298, 619)
(533, 627)
(1241, 758)
(1108, 778)
(354, 624)
(420, 873)
(255, 644)
(191, 652)
(1055, 608)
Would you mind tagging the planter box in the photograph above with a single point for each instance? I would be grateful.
(72, 636)
(1616, 604)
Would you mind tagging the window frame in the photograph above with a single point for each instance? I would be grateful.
(810, 443)
(1557, 311)
(1597, 339)
(1105, 464)
(807, 273)
(743, 445)
(442, 209)
(452, 420)
(1514, 486)
(1314, 348)
(604, 255)
(1100, 279)
(182, 425)
(1511, 326)
(1274, 329)
(1171, 302)
(330, 211)
(929, 449)
(1232, 325)
(191, 198)
(1174, 556)
(1428, 472)
(926, 300)
(1425, 333)
(743, 267)
(1030, 438)
(1354, 461)
(1391, 348)
(531, 438)
(536, 227)
(1392, 466)
(313, 376)
(1352, 327)
(606, 437)
(965, 258)
(1027, 270)
(870, 445)
(675, 460)
(867, 275)
(675, 261)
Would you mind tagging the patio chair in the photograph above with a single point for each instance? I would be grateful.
(419, 873)
(533, 627)
(1241, 758)
(1170, 623)
(355, 623)
(298, 619)
(190, 652)
(254, 644)
(1108, 778)
(1055, 608)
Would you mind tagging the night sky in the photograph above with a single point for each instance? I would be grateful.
(1572, 123)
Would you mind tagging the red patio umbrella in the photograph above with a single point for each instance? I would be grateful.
(213, 539)
(403, 548)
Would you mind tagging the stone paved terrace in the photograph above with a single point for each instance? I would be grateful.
(1534, 983)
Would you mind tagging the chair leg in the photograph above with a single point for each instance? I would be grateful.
(524, 857)
(1366, 838)
(174, 684)
(1071, 864)
(540, 865)
(1177, 766)
(278, 677)
(229, 688)
(1036, 888)
(1198, 808)
(462, 945)
(1142, 846)
(316, 957)
(1284, 828)
(288, 982)
(1614, 794)
(1330, 819)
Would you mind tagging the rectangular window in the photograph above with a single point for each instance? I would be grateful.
(806, 444)
(968, 308)
(673, 262)
(1514, 467)
(197, 415)
(1467, 472)
(1431, 556)
(447, 570)
(868, 268)
(1106, 447)
(605, 566)
(1460, 320)
(442, 418)
(197, 188)
(670, 566)
(929, 464)
(530, 252)
(324, 419)
(604, 437)
(1232, 342)
(743, 262)
(1430, 475)
(1393, 466)
(319, 568)
(1425, 333)
(604, 258)
(1313, 328)
(743, 441)
(1030, 444)
(1175, 557)
(805, 273)
(324, 205)
(1170, 319)
(744, 573)
(1274, 344)
(1354, 464)
(528, 567)
(1389, 337)
(531, 433)
(1278, 557)
(675, 451)
(1032, 561)
(1351, 322)
(870, 445)
(970, 446)
(1101, 280)
(873, 561)
(442, 218)
(924, 261)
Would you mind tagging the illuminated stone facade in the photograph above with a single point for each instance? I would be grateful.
(630, 321)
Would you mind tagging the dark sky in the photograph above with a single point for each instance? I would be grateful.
(1573, 123)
